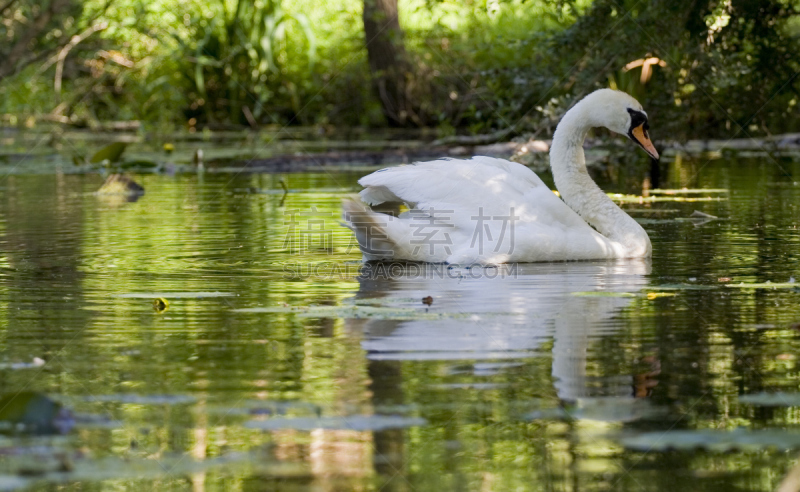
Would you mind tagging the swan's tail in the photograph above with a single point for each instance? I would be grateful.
(370, 229)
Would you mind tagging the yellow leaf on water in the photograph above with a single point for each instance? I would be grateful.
(656, 295)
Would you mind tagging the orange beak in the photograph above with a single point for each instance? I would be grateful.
(643, 139)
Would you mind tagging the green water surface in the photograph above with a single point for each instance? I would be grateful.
(282, 364)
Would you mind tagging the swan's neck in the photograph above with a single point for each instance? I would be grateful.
(581, 193)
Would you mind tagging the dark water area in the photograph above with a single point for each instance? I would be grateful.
(279, 362)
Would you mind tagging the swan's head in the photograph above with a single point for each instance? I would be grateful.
(622, 114)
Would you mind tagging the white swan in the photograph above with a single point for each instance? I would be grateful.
(489, 211)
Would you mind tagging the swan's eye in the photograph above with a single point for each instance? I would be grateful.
(638, 118)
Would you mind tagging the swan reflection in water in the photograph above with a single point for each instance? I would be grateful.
(506, 312)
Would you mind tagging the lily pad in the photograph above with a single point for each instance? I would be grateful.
(684, 287)
(601, 409)
(337, 311)
(138, 164)
(262, 407)
(174, 295)
(145, 399)
(600, 293)
(714, 440)
(771, 399)
(688, 191)
(39, 464)
(470, 386)
(35, 363)
(351, 422)
(29, 412)
(382, 301)
(357, 311)
(765, 285)
(621, 198)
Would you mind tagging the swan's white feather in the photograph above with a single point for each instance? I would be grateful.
(461, 214)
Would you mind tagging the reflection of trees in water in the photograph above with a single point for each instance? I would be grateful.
(521, 317)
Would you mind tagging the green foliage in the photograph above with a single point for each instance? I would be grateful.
(30, 30)
(723, 68)
(729, 66)
(236, 59)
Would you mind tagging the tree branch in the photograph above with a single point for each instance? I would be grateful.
(9, 65)
(62, 55)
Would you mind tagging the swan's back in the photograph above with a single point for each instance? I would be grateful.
(481, 210)
(448, 182)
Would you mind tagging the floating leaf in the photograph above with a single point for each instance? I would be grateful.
(138, 164)
(56, 465)
(765, 285)
(714, 440)
(144, 399)
(470, 386)
(357, 311)
(36, 362)
(110, 153)
(602, 409)
(262, 407)
(622, 198)
(351, 422)
(174, 295)
(382, 301)
(688, 191)
(29, 412)
(600, 293)
(656, 295)
(685, 287)
(771, 399)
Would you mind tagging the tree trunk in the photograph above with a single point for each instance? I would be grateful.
(388, 62)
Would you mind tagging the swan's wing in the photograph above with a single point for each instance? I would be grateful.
(448, 183)
(482, 210)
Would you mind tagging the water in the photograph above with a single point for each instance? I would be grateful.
(281, 364)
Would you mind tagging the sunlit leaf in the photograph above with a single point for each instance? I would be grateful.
(656, 295)
(110, 153)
